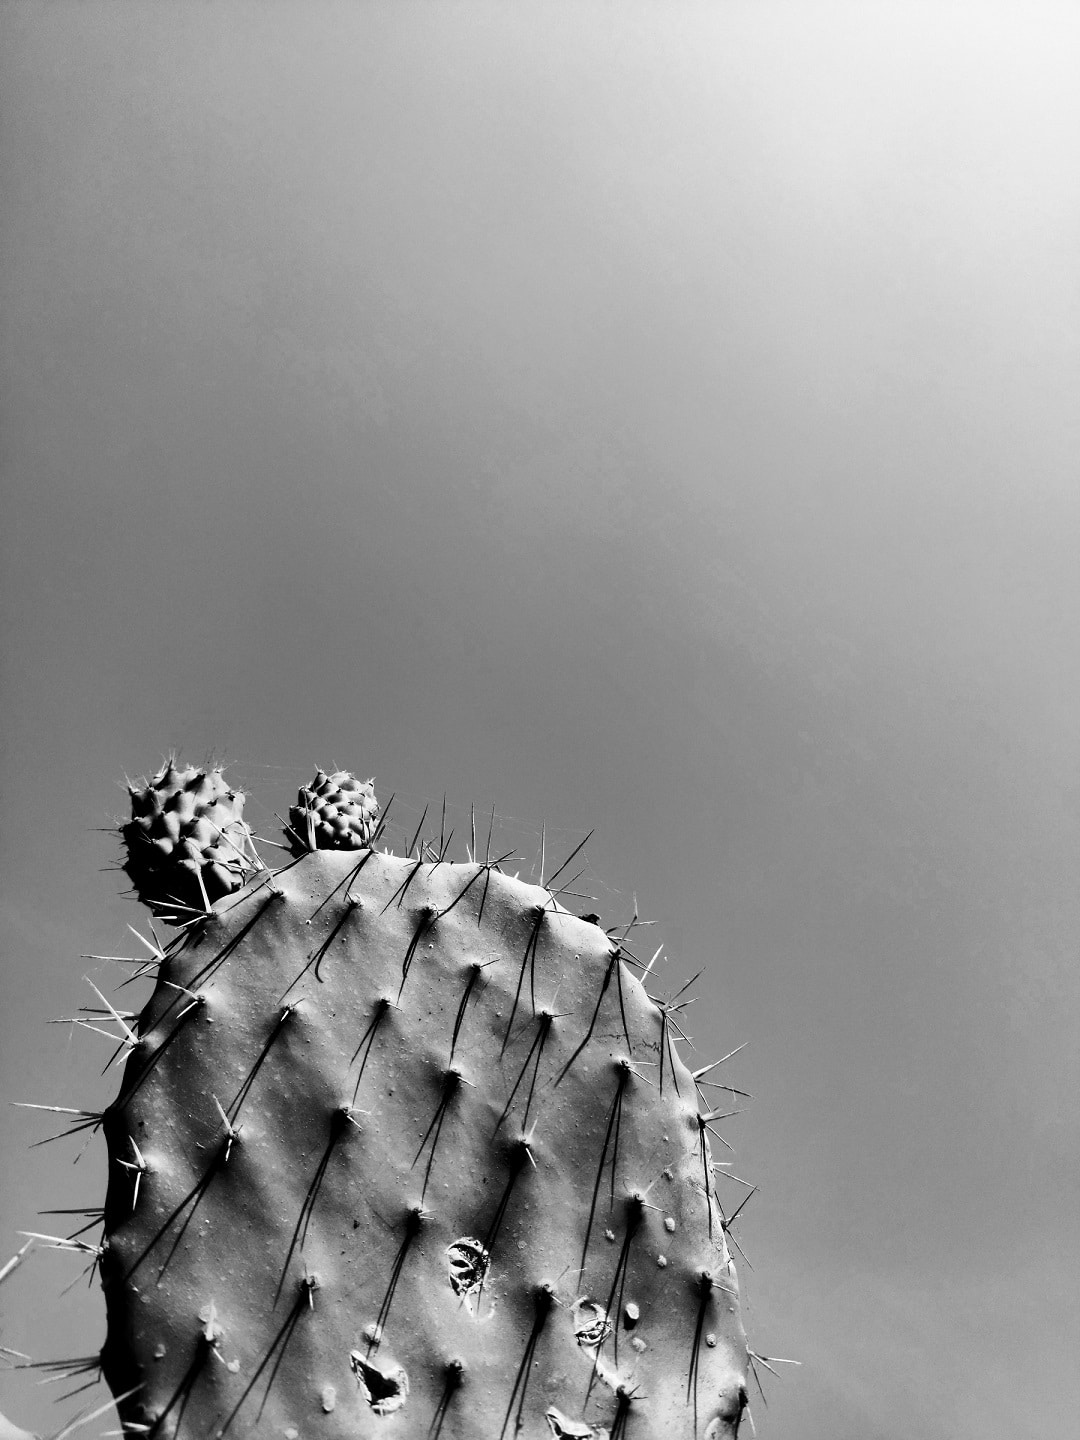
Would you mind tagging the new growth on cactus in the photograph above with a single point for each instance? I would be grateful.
(186, 843)
(403, 1148)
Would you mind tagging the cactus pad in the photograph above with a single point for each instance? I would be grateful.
(404, 1149)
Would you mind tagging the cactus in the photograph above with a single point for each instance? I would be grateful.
(187, 844)
(403, 1148)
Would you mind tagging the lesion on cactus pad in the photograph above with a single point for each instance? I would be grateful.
(591, 1324)
(468, 1265)
(384, 1389)
(562, 1427)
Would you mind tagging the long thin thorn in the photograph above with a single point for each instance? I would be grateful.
(154, 949)
(399, 893)
(377, 836)
(419, 827)
(734, 1214)
(707, 1069)
(570, 857)
(81, 1420)
(613, 1123)
(686, 987)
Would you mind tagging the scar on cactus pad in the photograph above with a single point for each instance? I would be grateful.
(403, 1148)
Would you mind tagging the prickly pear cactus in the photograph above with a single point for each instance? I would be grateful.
(404, 1149)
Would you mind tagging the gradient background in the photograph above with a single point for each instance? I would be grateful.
(657, 417)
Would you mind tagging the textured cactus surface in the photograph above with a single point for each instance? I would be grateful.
(334, 812)
(404, 1149)
(187, 843)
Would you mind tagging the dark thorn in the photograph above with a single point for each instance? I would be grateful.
(705, 1168)
(483, 897)
(282, 1338)
(419, 827)
(517, 1164)
(382, 1005)
(481, 870)
(155, 1055)
(377, 836)
(98, 1211)
(230, 946)
(565, 889)
(86, 1120)
(184, 1389)
(451, 1084)
(616, 1107)
(98, 1219)
(192, 1198)
(757, 1379)
(543, 1300)
(537, 1045)
(623, 1400)
(338, 1123)
(735, 1213)
(455, 1378)
(612, 962)
(705, 1283)
(423, 925)
(491, 826)
(343, 884)
(413, 1221)
(686, 987)
(474, 975)
(570, 857)
(461, 893)
(617, 962)
(233, 1109)
(635, 1212)
(666, 1046)
(399, 893)
(316, 957)
(66, 1369)
(529, 956)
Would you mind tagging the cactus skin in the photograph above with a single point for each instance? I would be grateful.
(378, 1070)
(334, 812)
(187, 843)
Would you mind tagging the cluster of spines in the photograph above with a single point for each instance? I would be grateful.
(335, 812)
(187, 843)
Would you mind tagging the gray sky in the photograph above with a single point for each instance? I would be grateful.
(657, 417)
